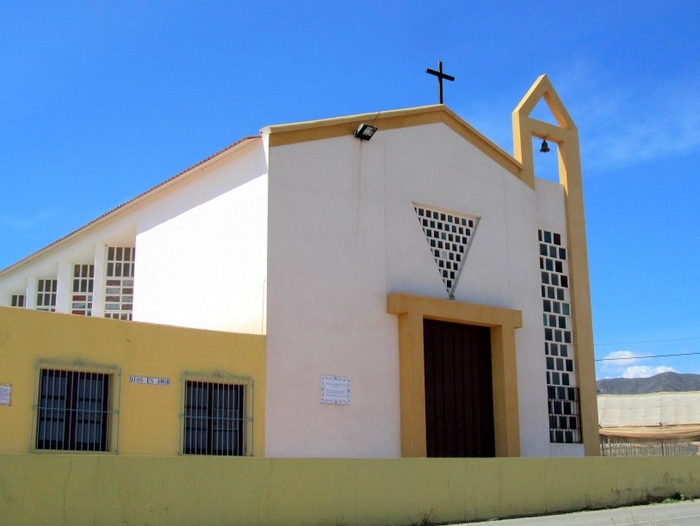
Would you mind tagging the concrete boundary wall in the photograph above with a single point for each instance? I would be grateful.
(94, 489)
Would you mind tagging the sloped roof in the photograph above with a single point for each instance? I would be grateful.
(284, 134)
(131, 202)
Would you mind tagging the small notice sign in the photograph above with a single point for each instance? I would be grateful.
(335, 390)
(148, 380)
(5, 394)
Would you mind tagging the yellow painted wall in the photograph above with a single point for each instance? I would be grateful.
(149, 420)
(107, 489)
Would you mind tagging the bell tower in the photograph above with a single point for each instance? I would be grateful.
(565, 136)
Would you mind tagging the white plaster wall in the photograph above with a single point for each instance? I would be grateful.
(551, 216)
(202, 253)
(343, 235)
(200, 248)
(327, 304)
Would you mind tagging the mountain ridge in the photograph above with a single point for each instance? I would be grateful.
(663, 382)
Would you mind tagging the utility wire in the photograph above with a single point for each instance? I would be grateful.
(651, 341)
(647, 356)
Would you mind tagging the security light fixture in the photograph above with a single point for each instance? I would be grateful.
(365, 132)
(545, 146)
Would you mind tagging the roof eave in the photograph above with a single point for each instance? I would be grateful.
(148, 194)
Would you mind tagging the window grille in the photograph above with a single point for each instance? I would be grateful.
(75, 407)
(81, 298)
(563, 395)
(449, 236)
(46, 294)
(119, 292)
(17, 300)
(217, 415)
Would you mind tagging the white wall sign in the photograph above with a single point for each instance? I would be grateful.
(148, 380)
(5, 394)
(335, 390)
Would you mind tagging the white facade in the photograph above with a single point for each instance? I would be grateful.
(303, 240)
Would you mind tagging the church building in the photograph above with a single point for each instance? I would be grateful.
(419, 292)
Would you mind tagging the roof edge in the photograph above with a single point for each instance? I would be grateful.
(175, 179)
(286, 134)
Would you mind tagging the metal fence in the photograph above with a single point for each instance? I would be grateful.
(647, 447)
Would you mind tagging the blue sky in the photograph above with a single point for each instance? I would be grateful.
(100, 101)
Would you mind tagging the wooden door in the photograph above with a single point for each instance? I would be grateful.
(458, 390)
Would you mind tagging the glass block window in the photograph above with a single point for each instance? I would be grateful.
(217, 416)
(564, 413)
(448, 235)
(74, 410)
(81, 297)
(17, 300)
(119, 283)
(46, 294)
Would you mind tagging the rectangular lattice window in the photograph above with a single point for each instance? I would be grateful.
(119, 283)
(17, 300)
(81, 297)
(46, 294)
(563, 398)
(217, 416)
(74, 409)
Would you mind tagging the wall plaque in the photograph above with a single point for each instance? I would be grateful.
(5, 394)
(335, 390)
(148, 380)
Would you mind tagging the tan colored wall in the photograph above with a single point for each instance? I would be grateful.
(98, 489)
(149, 414)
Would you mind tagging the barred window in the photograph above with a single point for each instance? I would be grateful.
(217, 418)
(74, 410)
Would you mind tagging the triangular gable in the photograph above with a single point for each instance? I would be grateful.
(543, 89)
(525, 127)
(285, 134)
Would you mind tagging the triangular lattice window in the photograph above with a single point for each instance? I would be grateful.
(448, 235)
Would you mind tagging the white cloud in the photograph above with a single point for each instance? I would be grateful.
(645, 371)
(628, 364)
(623, 124)
(621, 357)
(614, 363)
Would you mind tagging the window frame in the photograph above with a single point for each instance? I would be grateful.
(64, 400)
(201, 419)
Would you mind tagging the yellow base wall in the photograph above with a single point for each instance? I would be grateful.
(95, 489)
(149, 415)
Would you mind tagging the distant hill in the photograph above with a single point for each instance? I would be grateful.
(664, 382)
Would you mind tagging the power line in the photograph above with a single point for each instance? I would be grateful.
(647, 356)
(651, 341)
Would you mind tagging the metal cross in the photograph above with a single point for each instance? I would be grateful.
(440, 75)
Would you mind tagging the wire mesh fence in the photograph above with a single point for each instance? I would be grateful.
(647, 447)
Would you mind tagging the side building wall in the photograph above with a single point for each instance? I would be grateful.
(200, 252)
(147, 416)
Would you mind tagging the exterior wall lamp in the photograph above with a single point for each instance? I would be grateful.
(365, 131)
